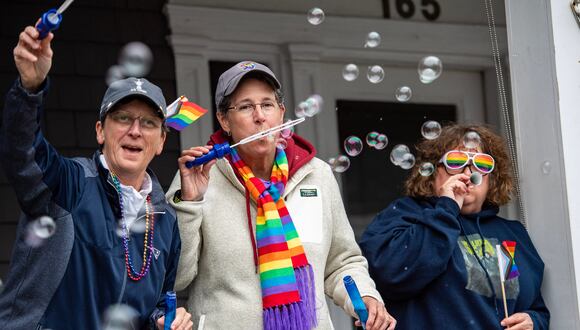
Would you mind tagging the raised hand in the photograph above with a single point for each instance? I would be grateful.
(194, 181)
(455, 188)
(33, 58)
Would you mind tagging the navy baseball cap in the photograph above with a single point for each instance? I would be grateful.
(139, 87)
(230, 79)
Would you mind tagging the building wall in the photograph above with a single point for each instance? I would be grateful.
(566, 31)
(445, 11)
(85, 46)
(546, 125)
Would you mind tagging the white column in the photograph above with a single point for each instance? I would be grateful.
(566, 35)
(544, 49)
(192, 76)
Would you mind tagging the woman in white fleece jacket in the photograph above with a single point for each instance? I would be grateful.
(264, 232)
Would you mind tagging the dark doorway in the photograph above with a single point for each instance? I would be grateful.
(372, 181)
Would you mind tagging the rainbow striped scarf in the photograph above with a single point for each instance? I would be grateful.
(288, 293)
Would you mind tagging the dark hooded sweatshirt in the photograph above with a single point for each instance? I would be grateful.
(420, 254)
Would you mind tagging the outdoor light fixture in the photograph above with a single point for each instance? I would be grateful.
(575, 5)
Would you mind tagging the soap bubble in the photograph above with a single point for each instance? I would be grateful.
(382, 142)
(350, 72)
(353, 145)
(136, 59)
(119, 230)
(398, 152)
(407, 161)
(44, 227)
(425, 81)
(371, 138)
(120, 317)
(375, 74)
(373, 39)
(339, 164)
(471, 140)
(313, 105)
(403, 93)
(315, 16)
(139, 226)
(39, 230)
(282, 144)
(431, 130)
(476, 178)
(546, 167)
(429, 69)
(300, 110)
(114, 73)
(426, 169)
(287, 132)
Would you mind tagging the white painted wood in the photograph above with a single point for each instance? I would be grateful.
(201, 34)
(452, 11)
(192, 78)
(543, 47)
(341, 38)
(566, 33)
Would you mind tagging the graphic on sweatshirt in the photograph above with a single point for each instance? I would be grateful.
(476, 277)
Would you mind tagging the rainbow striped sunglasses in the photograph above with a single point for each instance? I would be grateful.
(456, 160)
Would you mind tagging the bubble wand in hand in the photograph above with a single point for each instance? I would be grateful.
(51, 20)
(359, 306)
(222, 149)
(170, 307)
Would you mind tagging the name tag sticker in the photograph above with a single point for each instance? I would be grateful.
(305, 207)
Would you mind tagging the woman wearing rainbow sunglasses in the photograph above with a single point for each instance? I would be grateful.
(433, 254)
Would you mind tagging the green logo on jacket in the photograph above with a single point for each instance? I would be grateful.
(308, 193)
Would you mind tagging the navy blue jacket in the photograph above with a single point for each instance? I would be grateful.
(69, 281)
(420, 254)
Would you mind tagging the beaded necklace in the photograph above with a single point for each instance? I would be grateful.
(134, 275)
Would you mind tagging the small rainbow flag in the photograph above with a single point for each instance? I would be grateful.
(183, 113)
(506, 260)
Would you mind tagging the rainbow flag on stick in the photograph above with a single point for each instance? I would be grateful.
(506, 261)
(182, 113)
(507, 266)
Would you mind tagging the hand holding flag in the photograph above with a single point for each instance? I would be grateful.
(507, 266)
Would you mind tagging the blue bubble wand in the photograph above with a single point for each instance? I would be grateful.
(222, 149)
(51, 20)
(359, 306)
(170, 307)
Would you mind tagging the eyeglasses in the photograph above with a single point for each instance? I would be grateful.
(127, 119)
(267, 107)
(456, 160)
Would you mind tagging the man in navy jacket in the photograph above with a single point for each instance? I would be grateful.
(95, 259)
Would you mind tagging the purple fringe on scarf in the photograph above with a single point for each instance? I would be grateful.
(296, 316)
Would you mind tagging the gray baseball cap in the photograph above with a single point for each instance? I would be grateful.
(230, 79)
(139, 87)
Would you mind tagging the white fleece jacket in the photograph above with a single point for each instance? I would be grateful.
(216, 263)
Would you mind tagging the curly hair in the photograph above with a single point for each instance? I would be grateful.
(500, 180)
